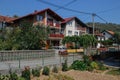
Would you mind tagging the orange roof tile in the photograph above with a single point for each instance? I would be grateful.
(5, 18)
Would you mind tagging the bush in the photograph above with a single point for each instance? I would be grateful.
(64, 66)
(101, 66)
(55, 69)
(46, 71)
(26, 73)
(94, 65)
(13, 76)
(79, 65)
(36, 72)
(87, 60)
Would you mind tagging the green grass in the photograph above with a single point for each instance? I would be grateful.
(114, 72)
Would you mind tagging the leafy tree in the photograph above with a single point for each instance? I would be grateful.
(87, 41)
(26, 36)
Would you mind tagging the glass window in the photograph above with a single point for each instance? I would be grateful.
(76, 33)
(39, 18)
(69, 32)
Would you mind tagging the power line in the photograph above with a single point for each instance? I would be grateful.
(101, 18)
(66, 4)
(68, 9)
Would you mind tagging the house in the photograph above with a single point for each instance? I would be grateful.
(45, 17)
(73, 26)
(4, 20)
(108, 34)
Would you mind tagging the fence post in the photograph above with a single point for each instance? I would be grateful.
(19, 60)
(43, 58)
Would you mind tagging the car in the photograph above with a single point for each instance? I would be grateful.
(61, 50)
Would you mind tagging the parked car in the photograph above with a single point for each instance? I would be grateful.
(61, 50)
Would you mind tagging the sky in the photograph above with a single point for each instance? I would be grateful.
(109, 10)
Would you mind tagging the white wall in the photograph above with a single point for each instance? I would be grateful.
(70, 26)
(106, 35)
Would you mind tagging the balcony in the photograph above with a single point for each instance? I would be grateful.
(57, 36)
(53, 25)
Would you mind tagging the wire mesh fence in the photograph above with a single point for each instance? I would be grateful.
(32, 58)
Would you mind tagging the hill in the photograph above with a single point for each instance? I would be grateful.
(106, 26)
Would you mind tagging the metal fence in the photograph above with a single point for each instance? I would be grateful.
(25, 54)
(32, 58)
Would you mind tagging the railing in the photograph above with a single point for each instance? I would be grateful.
(56, 35)
(52, 24)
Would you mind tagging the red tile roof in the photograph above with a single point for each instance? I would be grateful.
(5, 18)
(77, 19)
(52, 13)
(67, 19)
(111, 32)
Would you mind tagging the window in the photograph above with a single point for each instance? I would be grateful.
(39, 18)
(76, 33)
(69, 32)
(70, 23)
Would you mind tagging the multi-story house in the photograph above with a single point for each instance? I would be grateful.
(108, 34)
(4, 20)
(73, 26)
(45, 17)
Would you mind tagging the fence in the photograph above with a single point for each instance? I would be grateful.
(25, 54)
(19, 59)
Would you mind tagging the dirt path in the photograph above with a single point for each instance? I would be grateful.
(85, 75)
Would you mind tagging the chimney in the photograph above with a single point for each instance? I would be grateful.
(35, 10)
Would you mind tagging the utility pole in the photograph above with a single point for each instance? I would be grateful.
(93, 15)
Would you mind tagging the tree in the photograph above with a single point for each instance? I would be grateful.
(26, 36)
(87, 41)
(83, 40)
(117, 38)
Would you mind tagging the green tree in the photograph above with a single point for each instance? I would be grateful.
(87, 41)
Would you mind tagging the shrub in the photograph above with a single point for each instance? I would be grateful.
(36, 72)
(13, 76)
(64, 66)
(55, 69)
(46, 71)
(79, 65)
(94, 65)
(26, 73)
(87, 60)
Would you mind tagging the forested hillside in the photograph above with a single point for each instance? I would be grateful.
(106, 26)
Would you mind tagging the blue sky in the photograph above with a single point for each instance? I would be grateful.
(106, 9)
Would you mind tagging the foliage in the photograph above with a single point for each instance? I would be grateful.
(79, 65)
(4, 77)
(13, 76)
(36, 72)
(46, 71)
(64, 66)
(26, 36)
(26, 73)
(86, 40)
(55, 69)
(106, 26)
(117, 38)
(87, 60)
(107, 42)
(94, 65)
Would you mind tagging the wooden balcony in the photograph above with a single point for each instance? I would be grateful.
(56, 36)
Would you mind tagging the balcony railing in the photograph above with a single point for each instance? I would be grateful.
(56, 35)
(52, 24)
